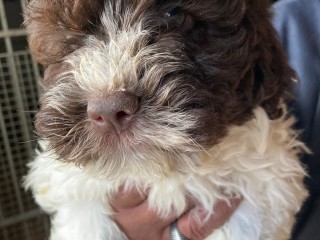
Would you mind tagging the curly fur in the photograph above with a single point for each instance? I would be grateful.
(210, 80)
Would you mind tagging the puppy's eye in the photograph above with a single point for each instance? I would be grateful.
(180, 18)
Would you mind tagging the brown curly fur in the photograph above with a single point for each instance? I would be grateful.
(229, 59)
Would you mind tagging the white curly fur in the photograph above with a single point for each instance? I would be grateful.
(257, 160)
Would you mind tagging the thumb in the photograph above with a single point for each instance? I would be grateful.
(194, 229)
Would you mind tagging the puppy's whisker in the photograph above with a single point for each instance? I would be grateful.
(74, 130)
(29, 141)
(198, 146)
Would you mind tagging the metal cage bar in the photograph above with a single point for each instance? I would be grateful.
(20, 218)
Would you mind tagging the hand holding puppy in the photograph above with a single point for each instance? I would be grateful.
(139, 222)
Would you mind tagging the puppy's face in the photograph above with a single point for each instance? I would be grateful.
(132, 79)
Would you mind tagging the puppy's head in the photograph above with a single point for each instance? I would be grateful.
(130, 80)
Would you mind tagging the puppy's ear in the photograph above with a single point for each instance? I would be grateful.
(56, 28)
(272, 75)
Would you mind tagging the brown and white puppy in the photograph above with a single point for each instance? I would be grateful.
(184, 98)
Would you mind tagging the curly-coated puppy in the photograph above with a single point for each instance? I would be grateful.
(183, 98)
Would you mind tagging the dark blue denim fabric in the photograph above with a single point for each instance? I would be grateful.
(298, 25)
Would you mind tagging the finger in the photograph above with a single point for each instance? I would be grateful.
(127, 198)
(198, 229)
(141, 221)
(144, 215)
(166, 231)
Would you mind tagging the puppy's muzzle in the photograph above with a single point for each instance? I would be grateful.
(113, 110)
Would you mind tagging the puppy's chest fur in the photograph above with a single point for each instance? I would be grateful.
(257, 160)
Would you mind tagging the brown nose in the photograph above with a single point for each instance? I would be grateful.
(114, 109)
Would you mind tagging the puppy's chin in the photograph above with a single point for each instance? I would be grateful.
(138, 161)
(143, 153)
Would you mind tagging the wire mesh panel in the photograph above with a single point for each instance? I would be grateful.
(20, 218)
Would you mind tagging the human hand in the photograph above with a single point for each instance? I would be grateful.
(138, 222)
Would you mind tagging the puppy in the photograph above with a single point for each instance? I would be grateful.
(183, 98)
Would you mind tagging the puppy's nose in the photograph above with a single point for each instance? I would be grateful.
(116, 109)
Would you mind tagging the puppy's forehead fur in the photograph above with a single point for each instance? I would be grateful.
(73, 20)
(192, 84)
